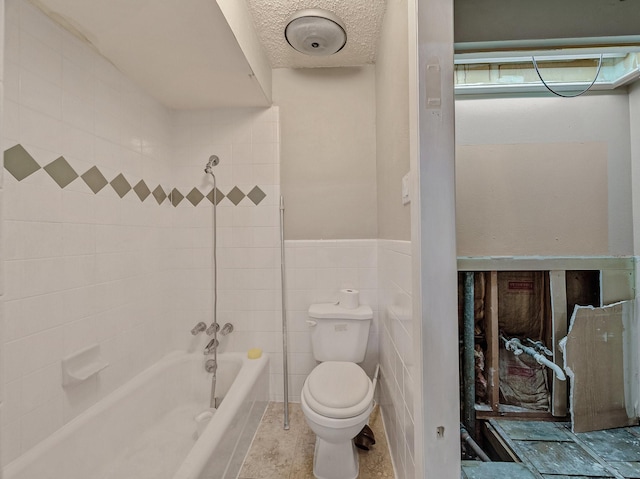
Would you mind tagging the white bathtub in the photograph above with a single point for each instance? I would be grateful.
(145, 429)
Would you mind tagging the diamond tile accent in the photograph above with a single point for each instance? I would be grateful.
(121, 185)
(61, 172)
(142, 190)
(19, 163)
(219, 196)
(195, 196)
(235, 195)
(176, 197)
(256, 195)
(94, 179)
(159, 194)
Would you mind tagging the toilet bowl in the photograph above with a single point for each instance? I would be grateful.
(336, 399)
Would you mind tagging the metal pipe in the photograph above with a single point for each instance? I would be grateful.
(464, 435)
(285, 367)
(214, 327)
(469, 363)
(375, 377)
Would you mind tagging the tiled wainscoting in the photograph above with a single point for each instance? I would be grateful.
(397, 386)
(316, 270)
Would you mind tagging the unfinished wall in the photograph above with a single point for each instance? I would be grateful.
(328, 151)
(579, 132)
(392, 122)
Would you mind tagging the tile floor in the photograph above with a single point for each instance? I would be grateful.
(279, 454)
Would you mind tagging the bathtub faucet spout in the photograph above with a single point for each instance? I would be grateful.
(211, 347)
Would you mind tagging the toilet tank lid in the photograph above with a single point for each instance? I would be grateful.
(335, 311)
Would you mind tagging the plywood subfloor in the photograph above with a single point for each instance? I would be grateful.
(549, 450)
(495, 470)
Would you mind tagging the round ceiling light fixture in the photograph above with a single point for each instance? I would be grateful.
(316, 32)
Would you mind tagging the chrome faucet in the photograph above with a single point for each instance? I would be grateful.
(198, 328)
(213, 328)
(211, 346)
(226, 329)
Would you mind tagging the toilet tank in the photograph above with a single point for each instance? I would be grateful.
(339, 334)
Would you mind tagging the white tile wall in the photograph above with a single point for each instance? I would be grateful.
(316, 270)
(2, 229)
(248, 238)
(396, 353)
(135, 277)
(79, 268)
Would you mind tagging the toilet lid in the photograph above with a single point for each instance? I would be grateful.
(338, 389)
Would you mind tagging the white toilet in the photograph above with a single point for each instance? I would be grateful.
(337, 396)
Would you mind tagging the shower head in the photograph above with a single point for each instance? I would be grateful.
(213, 161)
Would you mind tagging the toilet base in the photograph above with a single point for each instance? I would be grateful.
(335, 460)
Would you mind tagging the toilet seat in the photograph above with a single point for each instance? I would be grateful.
(338, 389)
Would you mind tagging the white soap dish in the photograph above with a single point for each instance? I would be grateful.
(82, 365)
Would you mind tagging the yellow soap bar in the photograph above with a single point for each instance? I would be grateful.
(254, 353)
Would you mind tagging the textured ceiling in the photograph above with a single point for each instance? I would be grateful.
(362, 18)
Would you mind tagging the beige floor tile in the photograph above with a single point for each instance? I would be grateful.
(279, 454)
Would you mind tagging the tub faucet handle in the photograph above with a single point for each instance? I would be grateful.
(213, 328)
(198, 328)
(226, 329)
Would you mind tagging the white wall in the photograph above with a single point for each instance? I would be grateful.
(546, 121)
(634, 127)
(634, 124)
(392, 122)
(433, 237)
(328, 151)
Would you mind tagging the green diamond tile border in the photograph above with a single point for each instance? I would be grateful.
(120, 185)
(94, 179)
(219, 196)
(142, 190)
(19, 162)
(235, 195)
(61, 172)
(159, 194)
(256, 195)
(195, 196)
(176, 197)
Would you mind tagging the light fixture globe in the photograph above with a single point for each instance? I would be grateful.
(315, 32)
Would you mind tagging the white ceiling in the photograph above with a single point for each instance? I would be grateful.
(182, 52)
(185, 54)
(362, 18)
